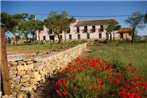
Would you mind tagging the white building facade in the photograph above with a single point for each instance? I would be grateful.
(83, 30)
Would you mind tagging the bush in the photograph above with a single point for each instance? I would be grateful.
(95, 78)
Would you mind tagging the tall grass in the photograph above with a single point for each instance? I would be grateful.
(123, 53)
(43, 46)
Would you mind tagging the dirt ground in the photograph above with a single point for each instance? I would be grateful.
(26, 51)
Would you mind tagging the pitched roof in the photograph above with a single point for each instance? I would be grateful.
(125, 30)
(94, 22)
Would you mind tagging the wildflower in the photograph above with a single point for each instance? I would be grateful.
(99, 80)
(59, 82)
(96, 88)
(90, 88)
(130, 64)
(117, 81)
(137, 96)
(71, 76)
(75, 71)
(103, 86)
(75, 88)
(65, 92)
(59, 93)
(65, 82)
(83, 69)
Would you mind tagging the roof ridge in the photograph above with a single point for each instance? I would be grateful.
(97, 19)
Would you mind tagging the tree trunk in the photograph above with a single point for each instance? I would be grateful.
(33, 36)
(59, 38)
(107, 37)
(133, 35)
(4, 71)
(110, 37)
(64, 36)
(15, 40)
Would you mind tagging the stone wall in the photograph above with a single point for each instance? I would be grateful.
(26, 74)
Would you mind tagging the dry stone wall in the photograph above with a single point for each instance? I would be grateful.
(26, 74)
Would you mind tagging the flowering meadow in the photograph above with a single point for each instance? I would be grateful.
(90, 77)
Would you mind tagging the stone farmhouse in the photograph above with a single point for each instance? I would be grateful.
(86, 29)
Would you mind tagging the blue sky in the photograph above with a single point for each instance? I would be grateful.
(78, 8)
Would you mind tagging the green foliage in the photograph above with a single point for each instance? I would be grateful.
(58, 22)
(123, 53)
(136, 21)
(112, 26)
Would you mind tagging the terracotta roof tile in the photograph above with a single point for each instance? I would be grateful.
(125, 30)
(94, 22)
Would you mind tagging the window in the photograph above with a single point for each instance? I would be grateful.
(44, 38)
(68, 31)
(100, 35)
(130, 34)
(121, 35)
(70, 37)
(50, 31)
(85, 29)
(88, 36)
(79, 37)
(51, 37)
(101, 28)
(78, 29)
(93, 28)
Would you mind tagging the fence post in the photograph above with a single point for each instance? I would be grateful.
(4, 69)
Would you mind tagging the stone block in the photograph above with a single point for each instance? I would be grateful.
(25, 78)
(29, 67)
(20, 67)
(29, 72)
(21, 72)
(21, 63)
(27, 89)
(21, 95)
(13, 63)
(37, 76)
(38, 66)
(33, 81)
(29, 62)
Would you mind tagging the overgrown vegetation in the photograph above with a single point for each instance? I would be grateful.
(42, 46)
(123, 53)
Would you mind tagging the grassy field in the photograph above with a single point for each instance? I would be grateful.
(123, 53)
(40, 47)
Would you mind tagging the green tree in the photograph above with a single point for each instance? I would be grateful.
(11, 23)
(58, 22)
(112, 26)
(136, 21)
(145, 18)
(30, 26)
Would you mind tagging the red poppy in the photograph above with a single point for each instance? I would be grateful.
(59, 82)
(96, 88)
(75, 88)
(65, 92)
(59, 93)
(71, 76)
(84, 68)
(75, 71)
(90, 88)
(103, 86)
(65, 82)
(99, 80)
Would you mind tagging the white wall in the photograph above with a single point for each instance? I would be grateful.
(83, 36)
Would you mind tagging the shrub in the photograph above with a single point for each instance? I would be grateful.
(95, 78)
